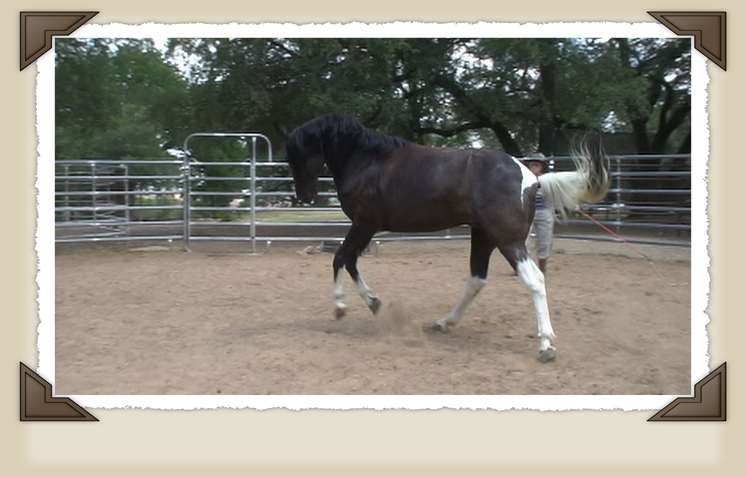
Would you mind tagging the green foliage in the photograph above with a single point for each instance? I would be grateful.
(126, 97)
(113, 98)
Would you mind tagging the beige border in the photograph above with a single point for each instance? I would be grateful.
(321, 441)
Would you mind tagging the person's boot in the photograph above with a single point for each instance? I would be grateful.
(543, 265)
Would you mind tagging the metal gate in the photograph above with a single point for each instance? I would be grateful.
(189, 178)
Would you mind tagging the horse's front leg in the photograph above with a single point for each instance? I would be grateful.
(368, 296)
(340, 309)
(346, 256)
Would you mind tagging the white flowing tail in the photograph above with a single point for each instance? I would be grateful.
(588, 183)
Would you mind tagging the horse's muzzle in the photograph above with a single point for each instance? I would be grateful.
(307, 197)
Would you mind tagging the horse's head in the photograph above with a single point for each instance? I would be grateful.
(330, 139)
(305, 157)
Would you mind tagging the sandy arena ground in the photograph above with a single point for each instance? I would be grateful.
(168, 322)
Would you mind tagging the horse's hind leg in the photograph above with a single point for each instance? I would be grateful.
(479, 261)
(346, 256)
(531, 276)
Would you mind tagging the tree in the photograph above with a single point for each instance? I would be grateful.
(113, 98)
(519, 95)
(663, 67)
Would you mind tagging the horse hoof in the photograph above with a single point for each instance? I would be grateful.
(339, 313)
(436, 327)
(547, 355)
(374, 305)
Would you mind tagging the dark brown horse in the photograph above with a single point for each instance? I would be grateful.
(387, 183)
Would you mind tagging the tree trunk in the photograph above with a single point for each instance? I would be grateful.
(506, 139)
(549, 119)
(640, 132)
(686, 145)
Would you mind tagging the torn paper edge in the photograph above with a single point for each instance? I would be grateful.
(46, 231)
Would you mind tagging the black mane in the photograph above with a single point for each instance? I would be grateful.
(338, 137)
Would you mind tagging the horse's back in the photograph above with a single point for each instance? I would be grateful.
(425, 188)
(498, 174)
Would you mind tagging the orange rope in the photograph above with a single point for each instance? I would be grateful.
(624, 241)
(613, 234)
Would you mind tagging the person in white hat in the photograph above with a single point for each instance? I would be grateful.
(542, 228)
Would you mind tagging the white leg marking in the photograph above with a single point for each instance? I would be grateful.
(365, 293)
(532, 277)
(471, 289)
(339, 294)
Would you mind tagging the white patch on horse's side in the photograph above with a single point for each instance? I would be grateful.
(528, 178)
(532, 277)
(471, 289)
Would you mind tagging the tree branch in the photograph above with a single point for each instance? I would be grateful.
(451, 131)
(482, 117)
(675, 120)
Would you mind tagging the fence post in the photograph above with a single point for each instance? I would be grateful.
(127, 216)
(68, 214)
(618, 193)
(186, 169)
(253, 194)
(93, 189)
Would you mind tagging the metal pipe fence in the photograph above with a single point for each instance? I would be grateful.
(110, 200)
(648, 193)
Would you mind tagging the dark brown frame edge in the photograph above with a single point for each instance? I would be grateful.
(713, 409)
(38, 404)
(715, 52)
(47, 31)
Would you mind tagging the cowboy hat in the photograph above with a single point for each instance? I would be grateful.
(536, 157)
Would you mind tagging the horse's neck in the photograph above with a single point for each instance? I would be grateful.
(337, 165)
(344, 168)
(344, 165)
